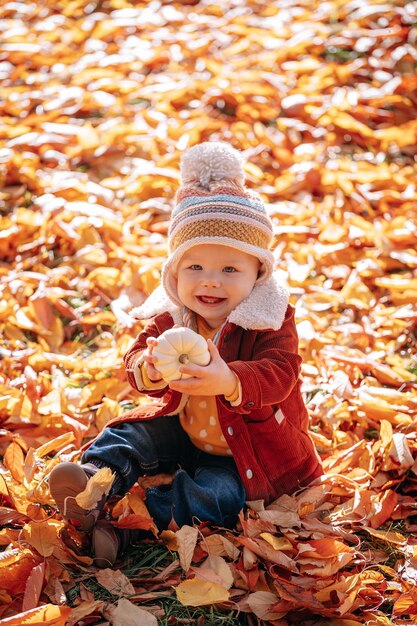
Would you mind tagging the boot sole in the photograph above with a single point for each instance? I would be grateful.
(66, 481)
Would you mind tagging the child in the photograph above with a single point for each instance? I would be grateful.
(236, 430)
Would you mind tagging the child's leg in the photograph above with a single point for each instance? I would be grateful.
(134, 449)
(214, 494)
(130, 451)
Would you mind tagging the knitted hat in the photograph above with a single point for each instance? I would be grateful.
(215, 206)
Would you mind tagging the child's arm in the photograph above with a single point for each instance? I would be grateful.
(271, 375)
(139, 364)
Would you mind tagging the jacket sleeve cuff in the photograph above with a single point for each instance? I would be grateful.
(235, 398)
(143, 382)
(250, 393)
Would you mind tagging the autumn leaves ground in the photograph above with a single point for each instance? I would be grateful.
(97, 103)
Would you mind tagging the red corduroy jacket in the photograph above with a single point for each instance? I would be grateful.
(267, 432)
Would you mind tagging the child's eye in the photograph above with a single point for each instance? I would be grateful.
(195, 266)
(229, 268)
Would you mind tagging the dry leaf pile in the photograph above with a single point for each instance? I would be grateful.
(98, 101)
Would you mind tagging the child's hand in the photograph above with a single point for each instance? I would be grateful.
(214, 379)
(150, 360)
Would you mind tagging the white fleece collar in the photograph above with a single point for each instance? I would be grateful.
(264, 308)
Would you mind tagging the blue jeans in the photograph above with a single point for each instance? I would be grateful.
(206, 487)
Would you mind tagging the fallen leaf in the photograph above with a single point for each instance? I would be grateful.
(34, 585)
(215, 569)
(46, 615)
(261, 603)
(97, 486)
(14, 460)
(186, 538)
(15, 567)
(125, 613)
(196, 592)
(42, 535)
(115, 582)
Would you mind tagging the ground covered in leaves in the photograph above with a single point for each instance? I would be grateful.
(98, 101)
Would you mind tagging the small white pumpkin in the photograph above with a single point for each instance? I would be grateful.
(176, 347)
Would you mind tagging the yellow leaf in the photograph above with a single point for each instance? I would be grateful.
(217, 545)
(10, 400)
(93, 393)
(42, 535)
(197, 592)
(106, 279)
(88, 137)
(55, 444)
(108, 410)
(278, 543)
(97, 486)
(169, 539)
(389, 536)
(51, 403)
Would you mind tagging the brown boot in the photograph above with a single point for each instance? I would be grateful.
(110, 542)
(66, 481)
(106, 544)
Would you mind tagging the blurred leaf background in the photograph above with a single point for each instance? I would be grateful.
(98, 100)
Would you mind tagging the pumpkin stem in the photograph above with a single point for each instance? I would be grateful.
(183, 358)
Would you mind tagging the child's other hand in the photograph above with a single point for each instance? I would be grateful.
(150, 360)
(214, 379)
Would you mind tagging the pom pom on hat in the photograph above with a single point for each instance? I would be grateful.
(211, 161)
(214, 206)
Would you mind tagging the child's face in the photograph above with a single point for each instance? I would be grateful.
(213, 279)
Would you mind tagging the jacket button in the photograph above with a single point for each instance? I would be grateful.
(250, 403)
(249, 473)
(230, 430)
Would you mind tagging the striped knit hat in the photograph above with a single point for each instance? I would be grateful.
(215, 206)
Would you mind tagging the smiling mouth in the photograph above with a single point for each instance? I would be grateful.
(210, 299)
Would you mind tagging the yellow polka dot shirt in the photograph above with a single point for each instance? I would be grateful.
(199, 417)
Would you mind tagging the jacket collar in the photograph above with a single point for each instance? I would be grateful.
(264, 308)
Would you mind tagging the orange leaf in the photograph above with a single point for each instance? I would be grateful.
(47, 615)
(14, 461)
(42, 535)
(33, 588)
(86, 608)
(15, 567)
(135, 521)
(326, 548)
(383, 508)
(406, 603)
